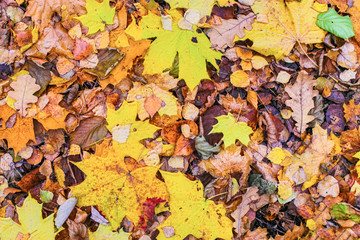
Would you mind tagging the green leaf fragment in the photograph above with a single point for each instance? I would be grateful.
(332, 22)
(340, 211)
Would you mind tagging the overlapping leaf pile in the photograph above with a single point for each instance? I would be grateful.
(144, 119)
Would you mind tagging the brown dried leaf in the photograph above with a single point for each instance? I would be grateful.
(228, 161)
(90, 131)
(301, 94)
(24, 88)
(222, 36)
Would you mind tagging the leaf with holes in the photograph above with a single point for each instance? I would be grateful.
(280, 25)
(192, 47)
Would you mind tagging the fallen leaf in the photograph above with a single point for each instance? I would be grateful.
(240, 78)
(232, 130)
(352, 111)
(89, 131)
(301, 94)
(98, 14)
(222, 36)
(191, 212)
(228, 161)
(119, 189)
(18, 135)
(192, 67)
(137, 130)
(31, 223)
(105, 232)
(24, 88)
(288, 23)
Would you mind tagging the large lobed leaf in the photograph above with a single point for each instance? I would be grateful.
(287, 24)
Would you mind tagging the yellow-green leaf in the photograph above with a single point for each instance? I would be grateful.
(106, 233)
(98, 14)
(31, 221)
(192, 47)
(232, 130)
(191, 213)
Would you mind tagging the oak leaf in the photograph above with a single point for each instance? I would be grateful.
(287, 24)
(301, 102)
(22, 131)
(222, 36)
(118, 188)
(24, 88)
(232, 130)
(192, 47)
(98, 14)
(31, 224)
(191, 213)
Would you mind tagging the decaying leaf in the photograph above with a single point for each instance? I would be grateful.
(228, 161)
(305, 168)
(301, 94)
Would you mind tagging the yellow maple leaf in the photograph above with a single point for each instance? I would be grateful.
(287, 23)
(98, 14)
(31, 224)
(309, 162)
(105, 232)
(127, 132)
(191, 213)
(118, 188)
(232, 130)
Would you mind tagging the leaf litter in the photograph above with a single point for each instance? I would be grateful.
(179, 120)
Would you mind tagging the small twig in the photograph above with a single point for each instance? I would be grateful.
(217, 195)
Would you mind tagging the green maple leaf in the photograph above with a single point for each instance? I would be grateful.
(192, 47)
(232, 130)
(98, 14)
(340, 26)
